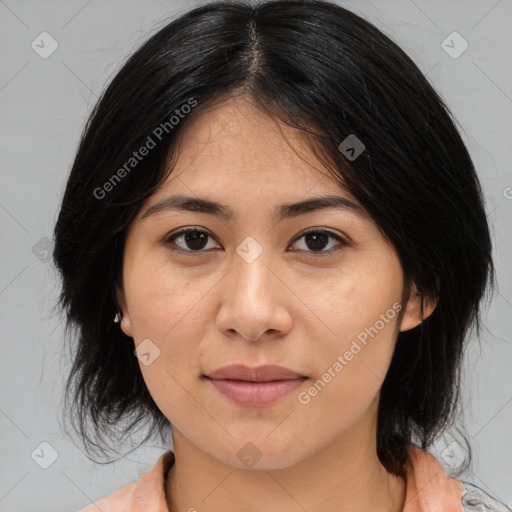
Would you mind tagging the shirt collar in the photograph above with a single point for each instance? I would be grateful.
(428, 488)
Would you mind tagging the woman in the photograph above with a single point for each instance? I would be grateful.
(275, 208)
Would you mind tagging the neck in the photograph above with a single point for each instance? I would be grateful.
(344, 476)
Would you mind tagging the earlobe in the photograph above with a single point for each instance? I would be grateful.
(125, 322)
(412, 313)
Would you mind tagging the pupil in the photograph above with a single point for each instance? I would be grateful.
(196, 239)
(316, 240)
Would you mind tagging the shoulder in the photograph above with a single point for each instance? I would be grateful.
(147, 494)
(475, 499)
(430, 488)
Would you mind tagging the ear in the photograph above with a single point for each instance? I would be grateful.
(125, 323)
(412, 313)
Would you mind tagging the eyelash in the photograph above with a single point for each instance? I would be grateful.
(170, 239)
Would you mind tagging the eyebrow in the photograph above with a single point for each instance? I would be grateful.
(284, 211)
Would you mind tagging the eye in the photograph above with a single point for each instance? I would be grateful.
(317, 240)
(190, 240)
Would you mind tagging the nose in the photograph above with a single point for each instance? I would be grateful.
(253, 301)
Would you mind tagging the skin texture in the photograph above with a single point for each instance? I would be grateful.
(288, 307)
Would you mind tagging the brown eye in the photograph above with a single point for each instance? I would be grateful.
(316, 241)
(191, 240)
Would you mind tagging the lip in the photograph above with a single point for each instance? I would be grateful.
(255, 387)
(263, 373)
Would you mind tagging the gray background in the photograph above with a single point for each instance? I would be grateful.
(44, 105)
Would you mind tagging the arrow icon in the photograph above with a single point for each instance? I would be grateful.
(249, 454)
(249, 249)
(147, 352)
(42, 249)
(351, 147)
(44, 45)
(454, 45)
(44, 455)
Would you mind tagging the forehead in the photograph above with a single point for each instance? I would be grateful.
(236, 143)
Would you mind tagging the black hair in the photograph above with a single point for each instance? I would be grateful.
(329, 73)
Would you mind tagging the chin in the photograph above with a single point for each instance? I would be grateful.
(261, 453)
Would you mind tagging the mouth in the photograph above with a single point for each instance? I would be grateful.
(254, 387)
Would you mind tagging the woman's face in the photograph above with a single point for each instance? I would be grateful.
(254, 288)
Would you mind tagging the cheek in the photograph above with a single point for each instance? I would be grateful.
(174, 322)
(166, 301)
(169, 308)
(351, 370)
(360, 310)
(367, 292)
